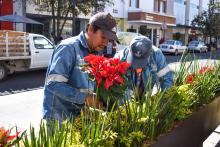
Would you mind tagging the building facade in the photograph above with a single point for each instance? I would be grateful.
(185, 11)
(119, 10)
(154, 18)
(40, 13)
(158, 19)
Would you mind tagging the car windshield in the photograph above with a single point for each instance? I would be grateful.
(171, 42)
(193, 43)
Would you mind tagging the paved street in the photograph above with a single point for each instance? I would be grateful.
(26, 81)
(21, 82)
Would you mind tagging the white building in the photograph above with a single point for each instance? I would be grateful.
(185, 11)
(156, 16)
(157, 19)
(119, 10)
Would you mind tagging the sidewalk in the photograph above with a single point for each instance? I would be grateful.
(23, 109)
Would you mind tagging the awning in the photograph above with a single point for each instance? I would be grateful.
(18, 19)
(149, 22)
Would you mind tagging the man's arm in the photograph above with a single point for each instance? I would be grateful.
(58, 74)
(62, 63)
(164, 73)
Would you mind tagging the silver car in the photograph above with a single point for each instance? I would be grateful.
(173, 46)
(197, 46)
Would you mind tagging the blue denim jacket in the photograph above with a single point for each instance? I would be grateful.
(66, 86)
(157, 69)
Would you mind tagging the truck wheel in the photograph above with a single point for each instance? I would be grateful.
(176, 52)
(3, 72)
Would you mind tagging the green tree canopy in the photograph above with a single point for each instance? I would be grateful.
(64, 10)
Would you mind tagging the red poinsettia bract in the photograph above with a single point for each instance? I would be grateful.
(190, 78)
(5, 136)
(108, 70)
(206, 69)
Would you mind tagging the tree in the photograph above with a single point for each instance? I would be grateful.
(62, 10)
(208, 22)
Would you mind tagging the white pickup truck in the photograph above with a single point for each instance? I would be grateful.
(21, 51)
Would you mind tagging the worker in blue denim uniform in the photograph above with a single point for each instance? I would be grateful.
(67, 88)
(147, 64)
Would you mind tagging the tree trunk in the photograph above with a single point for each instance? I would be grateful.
(210, 42)
(58, 21)
(64, 21)
(74, 18)
(53, 21)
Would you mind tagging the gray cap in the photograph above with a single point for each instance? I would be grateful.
(106, 23)
(140, 50)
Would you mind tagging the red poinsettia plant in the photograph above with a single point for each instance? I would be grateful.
(109, 75)
(203, 70)
(6, 139)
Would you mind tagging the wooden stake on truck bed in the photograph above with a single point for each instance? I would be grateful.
(13, 43)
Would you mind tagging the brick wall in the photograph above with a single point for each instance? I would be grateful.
(151, 17)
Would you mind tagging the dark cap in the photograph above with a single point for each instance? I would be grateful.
(140, 50)
(106, 23)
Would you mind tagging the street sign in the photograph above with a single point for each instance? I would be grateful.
(164, 26)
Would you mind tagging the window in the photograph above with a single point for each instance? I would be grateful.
(180, 1)
(194, 43)
(202, 43)
(42, 43)
(160, 6)
(179, 43)
(156, 5)
(163, 6)
(134, 3)
(170, 42)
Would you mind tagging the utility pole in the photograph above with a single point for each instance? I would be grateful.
(210, 15)
(200, 6)
(187, 12)
(74, 18)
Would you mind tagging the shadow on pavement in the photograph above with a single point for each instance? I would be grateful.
(22, 81)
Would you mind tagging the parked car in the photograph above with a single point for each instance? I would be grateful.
(173, 46)
(21, 51)
(197, 46)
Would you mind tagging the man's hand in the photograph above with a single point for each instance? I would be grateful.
(91, 101)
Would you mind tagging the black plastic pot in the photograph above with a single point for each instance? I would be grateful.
(193, 131)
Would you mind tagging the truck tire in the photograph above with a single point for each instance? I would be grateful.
(3, 72)
(176, 52)
(200, 50)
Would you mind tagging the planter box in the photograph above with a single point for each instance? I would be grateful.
(193, 131)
